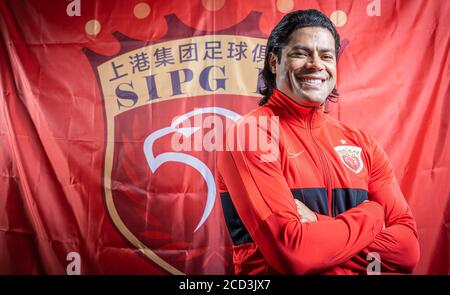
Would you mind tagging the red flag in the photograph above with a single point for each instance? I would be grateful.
(111, 113)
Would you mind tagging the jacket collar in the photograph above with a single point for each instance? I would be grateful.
(287, 109)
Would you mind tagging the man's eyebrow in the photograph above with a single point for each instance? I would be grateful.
(301, 47)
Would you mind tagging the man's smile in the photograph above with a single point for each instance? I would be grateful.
(311, 81)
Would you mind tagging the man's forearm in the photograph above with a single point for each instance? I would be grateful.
(397, 248)
(318, 246)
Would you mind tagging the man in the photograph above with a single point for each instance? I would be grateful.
(328, 197)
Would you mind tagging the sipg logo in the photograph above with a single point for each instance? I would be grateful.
(160, 96)
(161, 196)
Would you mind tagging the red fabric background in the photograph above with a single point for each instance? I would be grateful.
(394, 79)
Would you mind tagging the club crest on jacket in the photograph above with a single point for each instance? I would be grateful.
(350, 157)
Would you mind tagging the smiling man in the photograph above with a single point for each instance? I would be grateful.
(328, 202)
(306, 69)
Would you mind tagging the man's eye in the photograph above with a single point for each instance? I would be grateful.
(299, 54)
(327, 57)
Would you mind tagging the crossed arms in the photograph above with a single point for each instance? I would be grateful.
(293, 243)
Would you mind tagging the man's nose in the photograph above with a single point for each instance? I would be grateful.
(314, 62)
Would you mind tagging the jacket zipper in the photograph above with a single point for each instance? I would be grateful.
(323, 162)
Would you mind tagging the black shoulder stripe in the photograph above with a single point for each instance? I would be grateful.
(314, 198)
(236, 227)
(347, 198)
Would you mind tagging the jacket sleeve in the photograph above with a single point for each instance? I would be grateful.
(397, 245)
(264, 202)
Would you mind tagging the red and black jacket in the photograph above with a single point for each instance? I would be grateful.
(331, 168)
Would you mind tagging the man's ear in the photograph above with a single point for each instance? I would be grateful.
(273, 60)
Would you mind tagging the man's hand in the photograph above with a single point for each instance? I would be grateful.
(306, 215)
(384, 224)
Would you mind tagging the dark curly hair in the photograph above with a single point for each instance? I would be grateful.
(280, 37)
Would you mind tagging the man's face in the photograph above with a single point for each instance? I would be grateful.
(307, 69)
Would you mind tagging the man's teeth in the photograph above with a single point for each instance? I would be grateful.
(311, 81)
